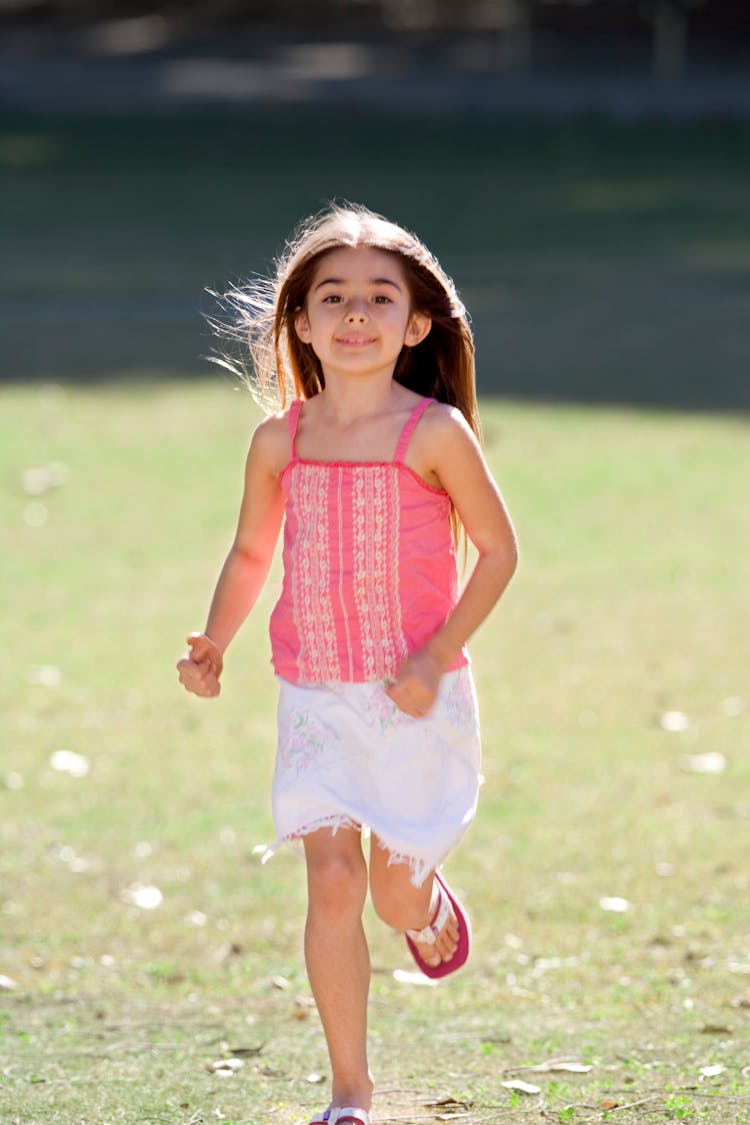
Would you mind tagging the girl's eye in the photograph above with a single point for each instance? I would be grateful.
(331, 299)
(382, 299)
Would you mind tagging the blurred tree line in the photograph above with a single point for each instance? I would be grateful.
(673, 30)
(701, 17)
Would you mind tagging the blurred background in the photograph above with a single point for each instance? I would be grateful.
(581, 168)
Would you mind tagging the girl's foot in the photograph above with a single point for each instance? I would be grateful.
(349, 1115)
(347, 1096)
(438, 941)
(342, 1115)
(443, 946)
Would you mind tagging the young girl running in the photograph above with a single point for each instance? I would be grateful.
(375, 469)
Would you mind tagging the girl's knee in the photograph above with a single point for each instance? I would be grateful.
(337, 880)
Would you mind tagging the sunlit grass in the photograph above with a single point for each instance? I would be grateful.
(630, 604)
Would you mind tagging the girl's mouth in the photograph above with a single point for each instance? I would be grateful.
(355, 341)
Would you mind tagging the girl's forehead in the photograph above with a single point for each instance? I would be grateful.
(359, 263)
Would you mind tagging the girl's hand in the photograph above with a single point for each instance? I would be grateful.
(201, 666)
(416, 683)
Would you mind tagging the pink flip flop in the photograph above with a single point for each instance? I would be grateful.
(429, 934)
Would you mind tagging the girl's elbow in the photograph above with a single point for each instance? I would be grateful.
(504, 562)
(252, 557)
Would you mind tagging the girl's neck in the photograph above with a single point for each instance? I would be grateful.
(345, 400)
(354, 424)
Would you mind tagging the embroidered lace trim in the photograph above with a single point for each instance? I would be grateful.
(313, 605)
(334, 822)
(419, 867)
(367, 603)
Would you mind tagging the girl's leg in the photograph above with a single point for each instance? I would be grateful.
(405, 907)
(338, 960)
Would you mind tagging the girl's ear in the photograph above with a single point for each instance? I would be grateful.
(302, 326)
(418, 327)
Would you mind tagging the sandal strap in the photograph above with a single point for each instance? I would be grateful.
(428, 936)
(349, 1115)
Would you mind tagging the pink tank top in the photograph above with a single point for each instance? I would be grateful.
(369, 565)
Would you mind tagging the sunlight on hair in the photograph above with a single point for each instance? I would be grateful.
(258, 343)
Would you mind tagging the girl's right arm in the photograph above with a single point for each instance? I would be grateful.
(248, 562)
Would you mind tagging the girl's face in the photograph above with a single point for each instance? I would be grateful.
(358, 315)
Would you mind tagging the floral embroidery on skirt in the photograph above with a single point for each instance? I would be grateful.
(305, 744)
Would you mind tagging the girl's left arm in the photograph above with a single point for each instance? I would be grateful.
(457, 460)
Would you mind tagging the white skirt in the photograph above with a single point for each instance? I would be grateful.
(347, 757)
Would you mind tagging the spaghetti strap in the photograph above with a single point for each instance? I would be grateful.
(409, 428)
(293, 421)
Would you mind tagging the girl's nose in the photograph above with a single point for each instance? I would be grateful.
(356, 313)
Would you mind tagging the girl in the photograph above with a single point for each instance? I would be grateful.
(375, 469)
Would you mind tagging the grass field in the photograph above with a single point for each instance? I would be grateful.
(616, 719)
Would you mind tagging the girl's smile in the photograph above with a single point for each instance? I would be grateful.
(355, 341)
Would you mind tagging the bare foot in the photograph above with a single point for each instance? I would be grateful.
(446, 941)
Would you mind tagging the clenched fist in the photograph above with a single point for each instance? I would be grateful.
(200, 668)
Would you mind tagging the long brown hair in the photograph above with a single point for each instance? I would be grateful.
(441, 366)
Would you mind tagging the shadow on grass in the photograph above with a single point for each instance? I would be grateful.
(601, 263)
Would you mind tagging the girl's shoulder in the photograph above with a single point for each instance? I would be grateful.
(442, 434)
(271, 442)
(439, 421)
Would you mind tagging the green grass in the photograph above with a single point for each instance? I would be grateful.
(630, 602)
